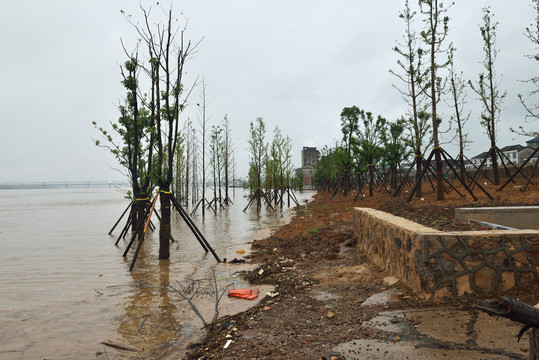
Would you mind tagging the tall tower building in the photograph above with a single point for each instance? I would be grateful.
(309, 155)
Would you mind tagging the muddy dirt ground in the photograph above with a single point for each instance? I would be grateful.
(333, 304)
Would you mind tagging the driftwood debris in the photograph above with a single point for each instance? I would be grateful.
(519, 312)
(511, 309)
(143, 321)
(118, 346)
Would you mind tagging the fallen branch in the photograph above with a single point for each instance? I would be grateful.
(214, 287)
(118, 346)
(217, 297)
(513, 310)
(144, 318)
(183, 294)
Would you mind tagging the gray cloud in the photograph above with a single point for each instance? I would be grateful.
(296, 64)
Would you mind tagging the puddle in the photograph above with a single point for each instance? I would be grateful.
(324, 296)
(437, 333)
(379, 349)
(443, 324)
(388, 322)
(382, 298)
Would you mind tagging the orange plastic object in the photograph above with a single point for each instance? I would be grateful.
(248, 294)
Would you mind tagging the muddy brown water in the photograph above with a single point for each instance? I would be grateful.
(65, 287)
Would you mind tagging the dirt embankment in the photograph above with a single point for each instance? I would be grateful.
(322, 283)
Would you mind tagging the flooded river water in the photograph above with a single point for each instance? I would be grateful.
(65, 287)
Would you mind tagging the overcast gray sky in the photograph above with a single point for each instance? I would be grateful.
(294, 63)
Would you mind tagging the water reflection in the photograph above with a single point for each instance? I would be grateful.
(148, 315)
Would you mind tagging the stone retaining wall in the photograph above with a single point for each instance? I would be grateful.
(435, 263)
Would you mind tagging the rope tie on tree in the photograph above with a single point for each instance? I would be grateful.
(165, 192)
(142, 199)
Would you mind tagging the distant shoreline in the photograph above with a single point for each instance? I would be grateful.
(60, 184)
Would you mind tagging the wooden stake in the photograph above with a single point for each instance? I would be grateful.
(127, 208)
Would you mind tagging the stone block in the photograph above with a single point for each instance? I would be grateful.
(443, 293)
(498, 259)
(463, 285)
(520, 257)
(531, 240)
(485, 279)
(508, 280)
(513, 242)
(473, 260)
(526, 277)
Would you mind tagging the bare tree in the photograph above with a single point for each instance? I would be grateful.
(410, 76)
(532, 108)
(216, 137)
(189, 144)
(180, 166)
(203, 122)
(457, 89)
(436, 29)
(228, 156)
(487, 88)
(195, 185)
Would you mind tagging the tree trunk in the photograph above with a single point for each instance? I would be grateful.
(346, 180)
(139, 216)
(187, 178)
(371, 180)
(439, 174)
(463, 173)
(494, 158)
(227, 200)
(418, 169)
(164, 228)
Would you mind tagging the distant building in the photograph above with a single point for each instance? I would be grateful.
(307, 175)
(309, 159)
(476, 160)
(309, 155)
(516, 153)
(533, 143)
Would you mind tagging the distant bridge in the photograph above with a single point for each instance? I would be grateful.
(60, 184)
